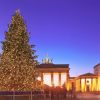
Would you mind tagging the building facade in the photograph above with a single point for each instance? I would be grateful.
(58, 75)
(53, 74)
(86, 83)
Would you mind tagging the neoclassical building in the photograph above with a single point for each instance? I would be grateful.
(53, 74)
(59, 75)
(86, 82)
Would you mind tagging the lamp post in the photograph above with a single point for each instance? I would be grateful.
(31, 94)
(13, 94)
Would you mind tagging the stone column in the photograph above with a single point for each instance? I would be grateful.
(42, 78)
(52, 82)
(97, 84)
(67, 76)
(60, 79)
(85, 85)
(91, 85)
(80, 84)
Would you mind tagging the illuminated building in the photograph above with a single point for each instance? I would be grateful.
(86, 82)
(53, 74)
(58, 75)
(71, 84)
(89, 82)
(97, 72)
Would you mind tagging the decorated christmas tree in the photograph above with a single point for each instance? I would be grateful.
(18, 60)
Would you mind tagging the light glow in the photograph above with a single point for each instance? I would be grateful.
(83, 85)
(39, 78)
(63, 78)
(94, 85)
(47, 79)
(56, 79)
(98, 83)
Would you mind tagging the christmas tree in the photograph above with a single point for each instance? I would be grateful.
(18, 60)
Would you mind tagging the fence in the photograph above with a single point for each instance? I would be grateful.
(33, 95)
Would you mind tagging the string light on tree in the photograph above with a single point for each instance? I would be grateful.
(18, 60)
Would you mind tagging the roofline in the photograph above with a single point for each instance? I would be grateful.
(53, 66)
(84, 75)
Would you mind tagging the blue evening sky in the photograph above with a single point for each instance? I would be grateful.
(68, 30)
